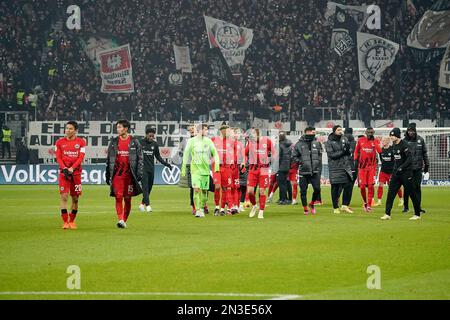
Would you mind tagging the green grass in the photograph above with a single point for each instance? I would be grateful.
(315, 257)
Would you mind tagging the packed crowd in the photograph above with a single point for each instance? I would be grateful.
(290, 47)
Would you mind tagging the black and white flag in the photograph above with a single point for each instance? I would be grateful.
(444, 72)
(220, 71)
(375, 54)
(343, 38)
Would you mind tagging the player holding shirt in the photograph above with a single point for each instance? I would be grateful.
(387, 167)
(124, 170)
(70, 152)
(259, 153)
(366, 154)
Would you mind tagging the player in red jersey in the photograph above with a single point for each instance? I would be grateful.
(259, 151)
(223, 180)
(239, 157)
(366, 155)
(293, 178)
(70, 152)
(124, 170)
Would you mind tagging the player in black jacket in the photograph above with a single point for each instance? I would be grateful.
(387, 166)
(150, 150)
(401, 175)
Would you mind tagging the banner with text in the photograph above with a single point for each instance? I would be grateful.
(115, 70)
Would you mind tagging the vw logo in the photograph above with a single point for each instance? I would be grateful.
(171, 176)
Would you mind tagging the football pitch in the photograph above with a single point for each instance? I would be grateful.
(169, 254)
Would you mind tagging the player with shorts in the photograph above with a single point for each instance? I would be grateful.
(293, 178)
(223, 180)
(70, 152)
(259, 153)
(366, 154)
(199, 151)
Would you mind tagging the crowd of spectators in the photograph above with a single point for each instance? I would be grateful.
(42, 58)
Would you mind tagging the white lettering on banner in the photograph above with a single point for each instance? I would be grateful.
(43, 136)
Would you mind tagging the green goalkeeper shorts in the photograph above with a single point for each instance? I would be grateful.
(200, 182)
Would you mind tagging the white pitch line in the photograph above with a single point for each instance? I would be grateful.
(100, 293)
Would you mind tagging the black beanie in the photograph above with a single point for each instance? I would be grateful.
(395, 132)
(348, 131)
(335, 128)
(412, 126)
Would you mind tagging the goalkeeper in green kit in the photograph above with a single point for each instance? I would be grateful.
(199, 151)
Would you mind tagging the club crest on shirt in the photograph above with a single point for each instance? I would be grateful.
(77, 146)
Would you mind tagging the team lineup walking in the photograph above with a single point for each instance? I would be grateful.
(244, 169)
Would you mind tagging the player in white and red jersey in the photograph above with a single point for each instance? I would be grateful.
(70, 152)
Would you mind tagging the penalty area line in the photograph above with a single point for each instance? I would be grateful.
(270, 296)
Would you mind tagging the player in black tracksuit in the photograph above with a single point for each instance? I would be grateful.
(401, 175)
(150, 150)
(419, 161)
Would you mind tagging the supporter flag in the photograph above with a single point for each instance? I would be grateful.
(444, 74)
(219, 67)
(375, 54)
(95, 43)
(432, 30)
(175, 79)
(182, 58)
(230, 39)
(358, 13)
(115, 70)
(343, 38)
(430, 36)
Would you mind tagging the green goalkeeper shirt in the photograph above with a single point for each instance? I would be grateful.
(199, 151)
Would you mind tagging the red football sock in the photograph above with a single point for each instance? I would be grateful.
(262, 201)
(371, 193)
(270, 188)
(252, 198)
(119, 208)
(73, 215)
(127, 208)
(233, 197)
(229, 198)
(64, 215)
(247, 197)
(305, 208)
(238, 196)
(216, 196)
(363, 193)
(275, 187)
(400, 193)
(294, 191)
(380, 192)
